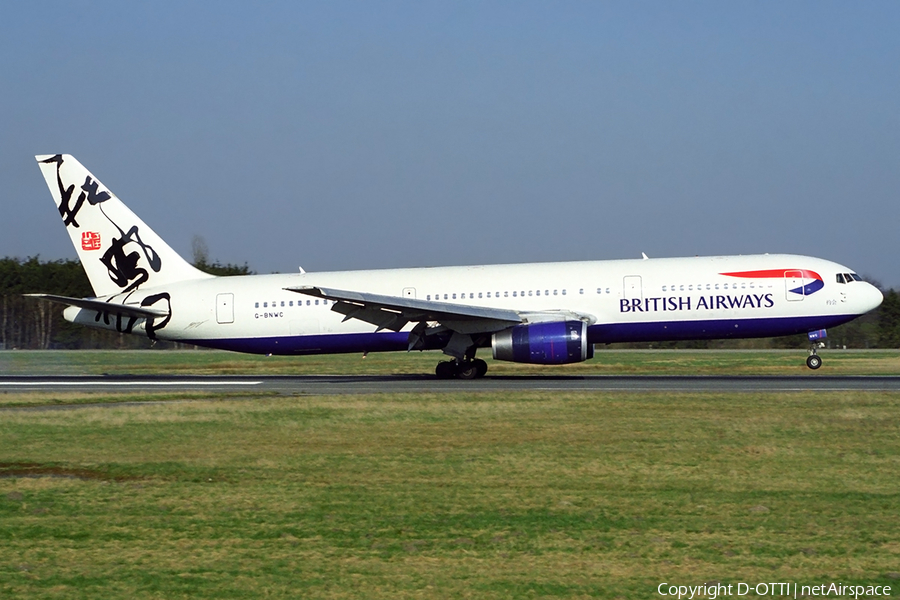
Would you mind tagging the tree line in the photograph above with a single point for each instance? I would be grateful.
(27, 323)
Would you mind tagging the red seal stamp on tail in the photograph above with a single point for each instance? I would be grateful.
(90, 240)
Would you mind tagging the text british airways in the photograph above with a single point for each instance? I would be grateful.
(681, 303)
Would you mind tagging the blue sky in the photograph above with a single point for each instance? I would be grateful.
(349, 135)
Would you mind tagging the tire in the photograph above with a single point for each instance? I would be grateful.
(467, 370)
(481, 366)
(813, 361)
(445, 370)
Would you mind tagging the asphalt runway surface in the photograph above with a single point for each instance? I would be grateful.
(373, 384)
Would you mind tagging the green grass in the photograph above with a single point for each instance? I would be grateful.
(492, 495)
(606, 362)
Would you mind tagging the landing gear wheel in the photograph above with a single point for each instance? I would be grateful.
(464, 368)
(445, 370)
(481, 366)
(467, 370)
(813, 361)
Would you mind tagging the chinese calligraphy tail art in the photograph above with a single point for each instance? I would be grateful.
(118, 251)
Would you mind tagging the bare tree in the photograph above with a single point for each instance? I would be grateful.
(200, 250)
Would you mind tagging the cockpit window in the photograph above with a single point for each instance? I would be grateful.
(856, 277)
(840, 278)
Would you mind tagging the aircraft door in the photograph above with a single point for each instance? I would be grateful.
(225, 308)
(793, 285)
(633, 287)
(409, 292)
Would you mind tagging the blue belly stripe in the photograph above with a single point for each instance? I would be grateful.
(606, 333)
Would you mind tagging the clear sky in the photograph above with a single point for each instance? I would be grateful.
(356, 135)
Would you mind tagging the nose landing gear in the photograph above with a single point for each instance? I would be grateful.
(813, 361)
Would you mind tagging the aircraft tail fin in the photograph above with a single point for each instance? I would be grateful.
(118, 251)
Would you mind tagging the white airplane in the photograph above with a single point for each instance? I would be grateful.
(539, 313)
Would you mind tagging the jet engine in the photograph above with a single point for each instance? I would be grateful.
(548, 343)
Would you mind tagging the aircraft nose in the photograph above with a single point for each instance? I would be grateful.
(872, 298)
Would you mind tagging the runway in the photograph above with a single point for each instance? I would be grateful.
(371, 384)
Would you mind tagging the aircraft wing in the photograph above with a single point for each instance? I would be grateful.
(128, 310)
(394, 312)
(464, 323)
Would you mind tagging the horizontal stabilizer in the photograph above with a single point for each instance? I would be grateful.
(128, 310)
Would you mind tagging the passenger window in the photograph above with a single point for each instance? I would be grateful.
(488, 294)
(529, 292)
(265, 305)
(454, 296)
(564, 292)
(599, 290)
(707, 286)
(581, 291)
(514, 294)
(554, 292)
(256, 305)
(506, 294)
(681, 288)
(537, 293)
(717, 286)
(479, 294)
(664, 288)
(282, 304)
(471, 295)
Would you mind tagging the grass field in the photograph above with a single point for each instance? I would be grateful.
(606, 362)
(493, 495)
(468, 495)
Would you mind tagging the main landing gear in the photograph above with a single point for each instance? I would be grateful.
(461, 369)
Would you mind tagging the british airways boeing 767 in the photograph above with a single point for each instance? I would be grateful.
(543, 313)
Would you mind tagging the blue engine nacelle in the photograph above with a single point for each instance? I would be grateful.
(551, 343)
